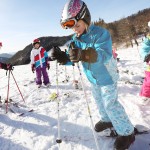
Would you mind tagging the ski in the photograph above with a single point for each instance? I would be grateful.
(111, 132)
(25, 113)
(129, 82)
(43, 86)
(19, 109)
(16, 109)
(123, 149)
(28, 83)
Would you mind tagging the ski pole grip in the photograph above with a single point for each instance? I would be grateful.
(72, 45)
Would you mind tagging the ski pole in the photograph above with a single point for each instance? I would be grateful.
(58, 140)
(73, 72)
(75, 82)
(65, 74)
(7, 92)
(95, 137)
(17, 85)
(66, 71)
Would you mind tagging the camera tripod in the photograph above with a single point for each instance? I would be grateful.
(10, 72)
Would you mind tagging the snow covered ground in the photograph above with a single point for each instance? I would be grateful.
(37, 130)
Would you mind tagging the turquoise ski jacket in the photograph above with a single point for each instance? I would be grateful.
(144, 51)
(104, 70)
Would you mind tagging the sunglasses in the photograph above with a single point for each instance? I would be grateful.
(69, 23)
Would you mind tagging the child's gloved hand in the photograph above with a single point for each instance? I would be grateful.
(148, 63)
(75, 55)
(60, 56)
(88, 55)
(33, 68)
(147, 58)
(47, 65)
(55, 53)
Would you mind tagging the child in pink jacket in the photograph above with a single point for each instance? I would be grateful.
(145, 54)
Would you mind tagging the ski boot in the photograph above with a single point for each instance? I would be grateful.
(47, 85)
(100, 126)
(124, 142)
(39, 85)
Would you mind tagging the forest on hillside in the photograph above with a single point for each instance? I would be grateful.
(129, 28)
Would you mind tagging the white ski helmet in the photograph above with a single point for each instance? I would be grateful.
(149, 24)
(75, 10)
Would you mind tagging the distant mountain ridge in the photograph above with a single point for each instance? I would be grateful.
(122, 31)
(128, 28)
(23, 57)
(4, 57)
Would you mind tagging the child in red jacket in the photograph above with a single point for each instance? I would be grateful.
(39, 63)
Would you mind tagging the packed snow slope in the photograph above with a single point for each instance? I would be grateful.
(38, 130)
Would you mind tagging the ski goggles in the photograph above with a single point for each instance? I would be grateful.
(69, 23)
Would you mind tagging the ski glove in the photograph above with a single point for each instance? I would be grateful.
(88, 55)
(147, 58)
(60, 56)
(47, 65)
(6, 66)
(33, 68)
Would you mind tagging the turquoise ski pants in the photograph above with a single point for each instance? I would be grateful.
(110, 109)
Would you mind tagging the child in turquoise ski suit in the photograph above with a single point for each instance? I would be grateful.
(92, 45)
